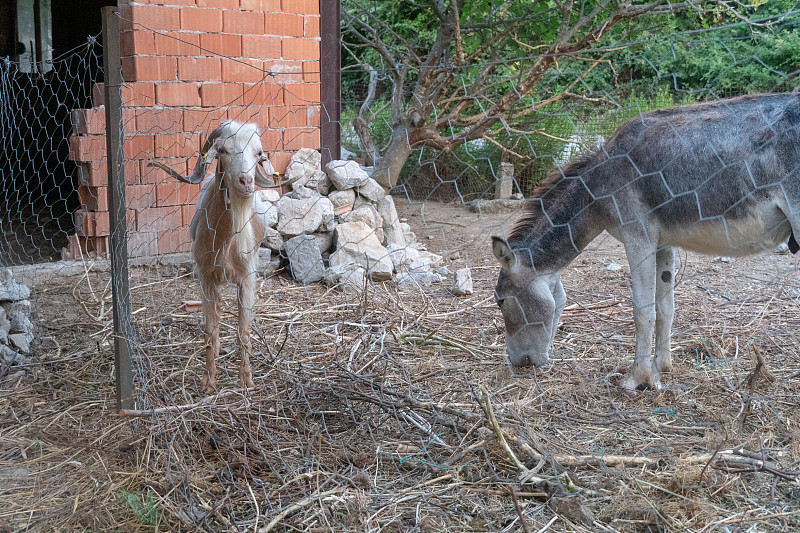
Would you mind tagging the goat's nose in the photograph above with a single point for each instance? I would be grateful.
(247, 182)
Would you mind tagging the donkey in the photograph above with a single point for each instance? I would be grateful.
(719, 178)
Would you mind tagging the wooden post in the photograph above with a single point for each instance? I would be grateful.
(120, 290)
(330, 79)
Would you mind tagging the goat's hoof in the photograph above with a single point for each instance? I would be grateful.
(664, 365)
(246, 381)
(208, 386)
(631, 383)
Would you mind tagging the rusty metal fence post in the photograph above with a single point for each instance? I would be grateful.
(118, 244)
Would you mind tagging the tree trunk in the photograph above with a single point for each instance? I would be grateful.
(390, 163)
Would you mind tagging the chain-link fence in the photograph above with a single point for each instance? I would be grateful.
(386, 388)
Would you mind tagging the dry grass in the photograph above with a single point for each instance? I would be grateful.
(375, 413)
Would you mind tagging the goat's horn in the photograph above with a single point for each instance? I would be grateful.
(206, 154)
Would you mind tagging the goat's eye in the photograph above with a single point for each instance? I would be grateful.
(222, 151)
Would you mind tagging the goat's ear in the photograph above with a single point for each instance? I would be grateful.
(503, 252)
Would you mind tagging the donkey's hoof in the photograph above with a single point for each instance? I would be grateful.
(246, 379)
(631, 383)
(664, 365)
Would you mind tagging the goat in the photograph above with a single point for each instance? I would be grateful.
(718, 178)
(225, 234)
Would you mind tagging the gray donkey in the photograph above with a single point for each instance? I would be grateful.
(719, 178)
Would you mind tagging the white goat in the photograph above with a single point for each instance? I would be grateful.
(225, 234)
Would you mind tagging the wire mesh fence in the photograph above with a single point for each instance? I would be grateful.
(386, 393)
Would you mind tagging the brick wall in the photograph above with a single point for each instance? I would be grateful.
(189, 65)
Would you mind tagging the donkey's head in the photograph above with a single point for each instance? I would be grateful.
(531, 303)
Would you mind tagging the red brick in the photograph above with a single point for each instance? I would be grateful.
(283, 25)
(87, 148)
(313, 116)
(222, 4)
(177, 44)
(176, 193)
(221, 44)
(312, 27)
(177, 94)
(290, 71)
(197, 19)
(243, 22)
(137, 42)
(306, 49)
(93, 198)
(306, 7)
(265, 93)
(152, 175)
(221, 94)
(141, 94)
(261, 46)
(272, 141)
(174, 241)
(138, 146)
(168, 2)
(176, 145)
(246, 70)
(203, 120)
(250, 113)
(152, 17)
(311, 71)
(280, 160)
(98, 95)
(91, 223)
(89, 121)
(287, 117)
(142, 243)
(159, 120)
(301, 94)
(149, 68)
(158, 218)
(199, 69)
(140, 196)
(261, 5)
(187, 212)
(294, 139)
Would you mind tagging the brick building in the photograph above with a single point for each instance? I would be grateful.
(188, 65)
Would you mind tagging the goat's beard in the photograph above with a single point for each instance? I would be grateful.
(241, 217)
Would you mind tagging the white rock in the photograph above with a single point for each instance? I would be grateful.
(268, 195)
(303, 192)
(303, 166)
(267, 264)
(265, 209)
(415, 280)
(409, 235)
(462, 283)
(371, 191)
(5, 326)
(273, 240)
(305, 259)
(11, 291)
(391, 223)
(345, 174)
(21, 342)
(357, 245)
(304, 215)
(325, 241)
(9, 356)
(369, 216)
(724, 259)
(348, 277)
(342, 198)
(613, 267)
(321, 182)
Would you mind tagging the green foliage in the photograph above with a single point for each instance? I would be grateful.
(143, 506)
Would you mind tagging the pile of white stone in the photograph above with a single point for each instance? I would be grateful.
(16, 328)
(339, 226)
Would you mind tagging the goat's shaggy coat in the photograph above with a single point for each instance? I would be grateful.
(226, 235)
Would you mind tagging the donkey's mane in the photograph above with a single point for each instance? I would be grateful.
(533, 219)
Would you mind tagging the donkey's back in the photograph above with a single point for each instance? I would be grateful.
(716, 178)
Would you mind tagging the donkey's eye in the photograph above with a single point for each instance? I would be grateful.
(500, 302)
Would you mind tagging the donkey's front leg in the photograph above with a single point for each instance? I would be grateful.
(642, 260)
(665, 306)
(246, 301)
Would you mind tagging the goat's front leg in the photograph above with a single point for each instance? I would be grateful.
(641, 255)
(246, 302)
(211, 315)
(665, 306)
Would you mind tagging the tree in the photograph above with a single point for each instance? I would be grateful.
(461, 70)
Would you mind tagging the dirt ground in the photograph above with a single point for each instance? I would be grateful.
(395, 410)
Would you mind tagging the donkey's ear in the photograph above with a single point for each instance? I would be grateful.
(504, 253)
